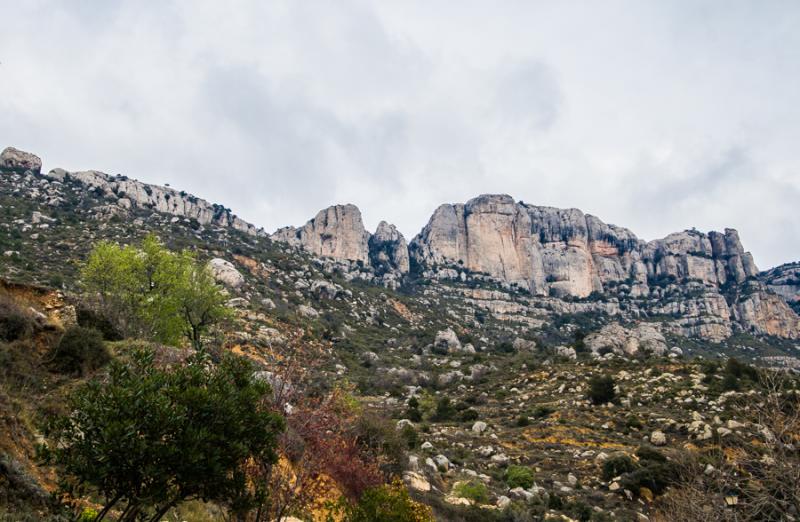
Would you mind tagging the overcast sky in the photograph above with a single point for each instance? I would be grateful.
(658, 116)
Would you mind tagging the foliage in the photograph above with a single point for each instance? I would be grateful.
(519, 477)
(15, 322)
(152, 292)
(472, 490)
(601, 389)
(79, 352)
(616, 466)
(387, 503)
(151, 438)
(444, 410)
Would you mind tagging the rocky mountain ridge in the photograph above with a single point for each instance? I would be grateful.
(516, 261)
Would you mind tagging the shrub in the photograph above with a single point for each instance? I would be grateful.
(655, 476)
(523, 421)
(472, 490)
(150, 438)
(387, 503)
(601, 389)
(15, 323)
(409, 434)
(92, 319)
(616, 466)
(444, 410)
(519, 477)
(80, 351)
(543, 411)
(469, 415)
(650, 453)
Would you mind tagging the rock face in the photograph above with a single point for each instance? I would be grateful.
(388, 249)
(338, 232)
(129, 193)
(225, 273)
(784, 280)
(563, 252)
(566, 253)
(15, 160)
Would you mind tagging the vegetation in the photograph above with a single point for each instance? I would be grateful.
(153, 293)
(80, 352)
(601, 389)
(519, 477)
(148, 438)
(387, 503)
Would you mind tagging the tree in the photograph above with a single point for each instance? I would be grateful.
(601, 389)
(148, 438)
(154, 293)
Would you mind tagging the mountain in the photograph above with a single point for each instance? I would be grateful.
(706, 282)
(496, 318)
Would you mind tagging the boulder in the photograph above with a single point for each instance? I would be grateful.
(15, 160)
(224, 272)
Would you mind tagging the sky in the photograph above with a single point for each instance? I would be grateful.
(654, 115)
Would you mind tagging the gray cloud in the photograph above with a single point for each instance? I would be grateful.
(654, 115)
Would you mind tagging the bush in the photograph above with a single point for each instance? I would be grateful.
(15, 323)
(616, 466)
(151, 437)
(80, 351)
(601, 389)
(646, 453)
(519, 477)
(472, 490)
(92, 319)
(409, 434)
(469, 415)
(655, 476)
(523, 421)
(387, 503)
(444, 410)
(543, 411)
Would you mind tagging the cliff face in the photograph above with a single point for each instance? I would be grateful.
(338, 232)
(564, 252)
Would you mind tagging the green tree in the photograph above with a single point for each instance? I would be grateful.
(148, 438)
(152, 292)
(601, 389)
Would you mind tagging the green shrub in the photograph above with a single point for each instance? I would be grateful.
(472, 490)
(88, 515)
(523, 421)
(616, 466)
(543, 411)
(387, 503)
(469, 415)
(409, 434)
(519, 477)
(444, 410)
(656, 476)
(80, 351)
(92, 319)
(650, 453)
(601, 389)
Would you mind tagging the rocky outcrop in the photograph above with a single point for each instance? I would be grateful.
(615, 338)
(338, 233)
(128, 193)
(15, 160)
(225, 273)
(388, 250)
(784, 280)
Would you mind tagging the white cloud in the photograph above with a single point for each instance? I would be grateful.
(654, 115)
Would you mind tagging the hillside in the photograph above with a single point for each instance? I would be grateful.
(494, 319)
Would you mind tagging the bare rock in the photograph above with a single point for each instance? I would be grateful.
(15, 160)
